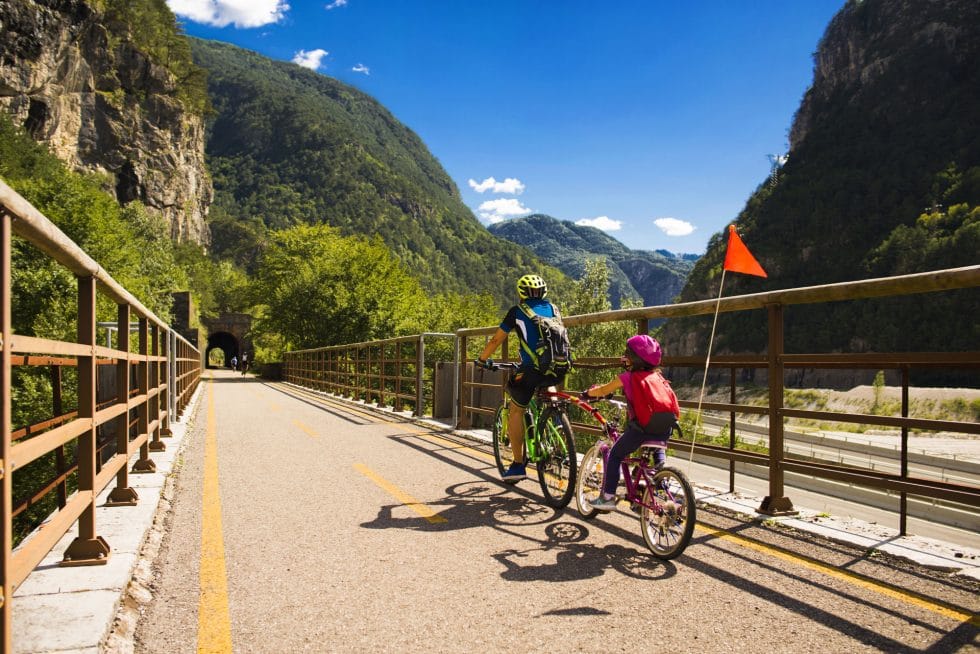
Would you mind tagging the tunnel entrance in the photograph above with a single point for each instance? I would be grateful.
(228, 346)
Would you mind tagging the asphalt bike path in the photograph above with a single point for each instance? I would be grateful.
(302, 523)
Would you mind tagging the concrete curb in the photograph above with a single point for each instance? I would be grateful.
(73, 609)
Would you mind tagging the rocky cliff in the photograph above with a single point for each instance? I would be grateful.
(872, 45)
(101, 104)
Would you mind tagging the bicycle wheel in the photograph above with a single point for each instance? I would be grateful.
(589, 485)
(502, 452)
(557, 462)
(668, 514)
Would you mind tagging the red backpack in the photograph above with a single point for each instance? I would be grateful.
(655, 406)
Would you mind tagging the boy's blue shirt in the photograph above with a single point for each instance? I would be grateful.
(526, 330)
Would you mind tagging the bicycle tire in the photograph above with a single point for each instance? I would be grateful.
(502, 452)
(557, 463)
(668, 513)
(589, 484)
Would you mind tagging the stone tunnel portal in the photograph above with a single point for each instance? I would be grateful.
(225, 342)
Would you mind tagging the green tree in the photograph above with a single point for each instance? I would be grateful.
(320, 288)
(591, 295)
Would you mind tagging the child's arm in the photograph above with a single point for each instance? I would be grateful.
(605, 389)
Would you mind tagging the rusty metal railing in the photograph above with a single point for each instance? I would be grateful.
(775, 362)
(390, 372)
(155, 377)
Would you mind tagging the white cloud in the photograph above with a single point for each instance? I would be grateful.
(240, 13)
(335, 4)
(674, 226)
(510, 185)
(310, 59)
(605, 223)
(361, 68)
(496, 211)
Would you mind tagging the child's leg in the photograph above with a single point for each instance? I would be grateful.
(626, 444)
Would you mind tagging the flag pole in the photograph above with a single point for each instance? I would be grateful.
(704, 381)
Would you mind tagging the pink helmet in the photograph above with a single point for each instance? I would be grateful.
(646, 348)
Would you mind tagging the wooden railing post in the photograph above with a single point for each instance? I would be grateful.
(420, 377)
(144, 464)
(776, 503)
(122, 494)
(88, 548)
(903, 502)
(465, 420)
(153, 404)
(165, 383)
(731, 429)
(6, 488)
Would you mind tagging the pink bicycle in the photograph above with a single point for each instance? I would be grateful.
(664, 498)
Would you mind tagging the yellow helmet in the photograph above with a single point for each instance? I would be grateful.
(531, 286)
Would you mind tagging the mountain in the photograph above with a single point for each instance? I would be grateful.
(109, 88)
(288, 146)
(882, 178)
(653, 278)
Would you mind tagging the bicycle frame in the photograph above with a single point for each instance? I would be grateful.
(532, 431)
(536, 407)
(633, 469)
(548, 441)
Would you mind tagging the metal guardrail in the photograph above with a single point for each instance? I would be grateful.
(155, 378)
(389, 372)
(775, 362)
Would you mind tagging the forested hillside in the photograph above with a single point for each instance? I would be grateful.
(883, 178)
(288, 146)
(649, 278)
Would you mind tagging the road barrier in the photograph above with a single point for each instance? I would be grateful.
(154, 378)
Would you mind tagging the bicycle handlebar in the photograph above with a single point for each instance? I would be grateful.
(490, 364)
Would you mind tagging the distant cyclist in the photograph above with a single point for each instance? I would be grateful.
(525, 380)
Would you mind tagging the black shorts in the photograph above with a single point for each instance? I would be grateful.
(524, 381)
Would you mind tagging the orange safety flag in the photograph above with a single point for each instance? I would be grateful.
(739, 259)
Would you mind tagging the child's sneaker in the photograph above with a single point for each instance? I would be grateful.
(515, 472)
(602, 503)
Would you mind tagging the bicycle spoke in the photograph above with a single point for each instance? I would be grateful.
(557, 463)
(668, 514)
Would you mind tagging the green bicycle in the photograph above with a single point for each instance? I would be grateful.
(549, 442)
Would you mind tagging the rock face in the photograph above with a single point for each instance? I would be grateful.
(103, 106)
(869, 44)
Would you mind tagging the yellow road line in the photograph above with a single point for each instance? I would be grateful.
(400, 495)
(909, 597)
(306, 430)
(214, 620)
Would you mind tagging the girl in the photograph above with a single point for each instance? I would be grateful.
(652, 409)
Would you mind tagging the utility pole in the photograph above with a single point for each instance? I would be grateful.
(776, 162)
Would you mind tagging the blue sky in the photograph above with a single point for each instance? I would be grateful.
(652, 120)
